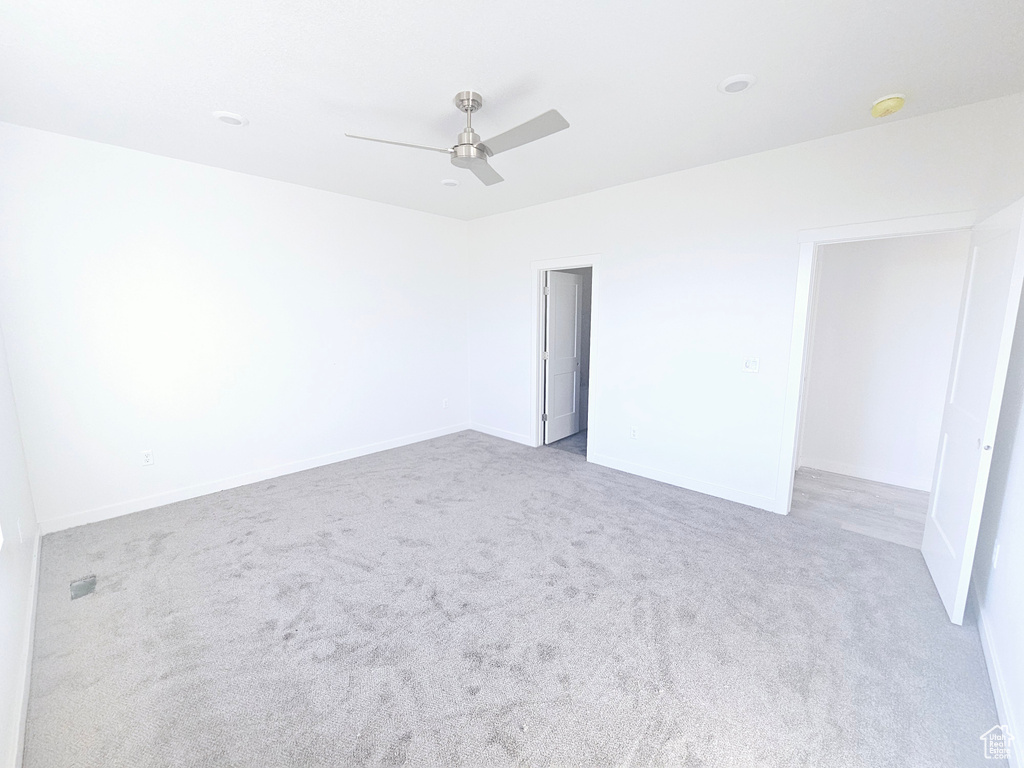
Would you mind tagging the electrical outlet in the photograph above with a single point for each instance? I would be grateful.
(751, 365)
(633, 433)
(147, 458)
(444, 403)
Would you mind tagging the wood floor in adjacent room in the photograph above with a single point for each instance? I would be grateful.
(887, 512)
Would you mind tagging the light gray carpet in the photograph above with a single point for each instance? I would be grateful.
(573, 443)
(470, 601)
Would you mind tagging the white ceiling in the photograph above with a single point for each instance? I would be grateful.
(637, 81)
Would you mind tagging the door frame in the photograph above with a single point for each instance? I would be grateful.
(537, 270)
(811, 241)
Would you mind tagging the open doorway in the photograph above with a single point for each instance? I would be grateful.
(565, 363)
(991, 297)
(881, 332)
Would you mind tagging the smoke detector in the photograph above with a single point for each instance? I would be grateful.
(887, 105)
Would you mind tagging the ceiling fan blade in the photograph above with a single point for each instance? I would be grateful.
(446, 150)
(541, 126)
(484, 172)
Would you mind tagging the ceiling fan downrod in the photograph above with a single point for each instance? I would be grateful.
(468, 149)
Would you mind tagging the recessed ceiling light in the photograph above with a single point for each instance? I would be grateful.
(230, 118)
(888, 104)
(736, 84)
(449, 182)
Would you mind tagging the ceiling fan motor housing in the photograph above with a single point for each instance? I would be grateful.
(468, 149)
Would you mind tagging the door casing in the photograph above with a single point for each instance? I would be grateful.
(810, 243)
(537, 269)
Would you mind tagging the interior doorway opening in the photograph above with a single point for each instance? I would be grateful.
(565, 358)
(989, 305)
(880, 341)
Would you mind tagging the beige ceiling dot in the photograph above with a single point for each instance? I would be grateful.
(887, 105)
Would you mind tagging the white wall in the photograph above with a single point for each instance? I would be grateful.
(18, 563)
(697, 272)
(998, 583)
(238, 327)
(881, 344)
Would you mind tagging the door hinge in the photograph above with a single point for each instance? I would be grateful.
(547, 291)
(544, 417)
(545, 355)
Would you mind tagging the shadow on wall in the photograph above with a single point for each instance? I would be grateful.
(1009, 445)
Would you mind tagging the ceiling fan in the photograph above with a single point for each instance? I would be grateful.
(469, 152)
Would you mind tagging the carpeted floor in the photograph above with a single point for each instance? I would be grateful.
(470, 601)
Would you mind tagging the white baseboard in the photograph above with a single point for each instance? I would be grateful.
(1004, 707)
(766, 503)
(515, 437)
(190, 492)
(30, 642)
(902, 479)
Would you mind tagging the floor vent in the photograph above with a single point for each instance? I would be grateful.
(83, 587)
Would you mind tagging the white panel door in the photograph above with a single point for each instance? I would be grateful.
(562, 339)
(981, 353)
